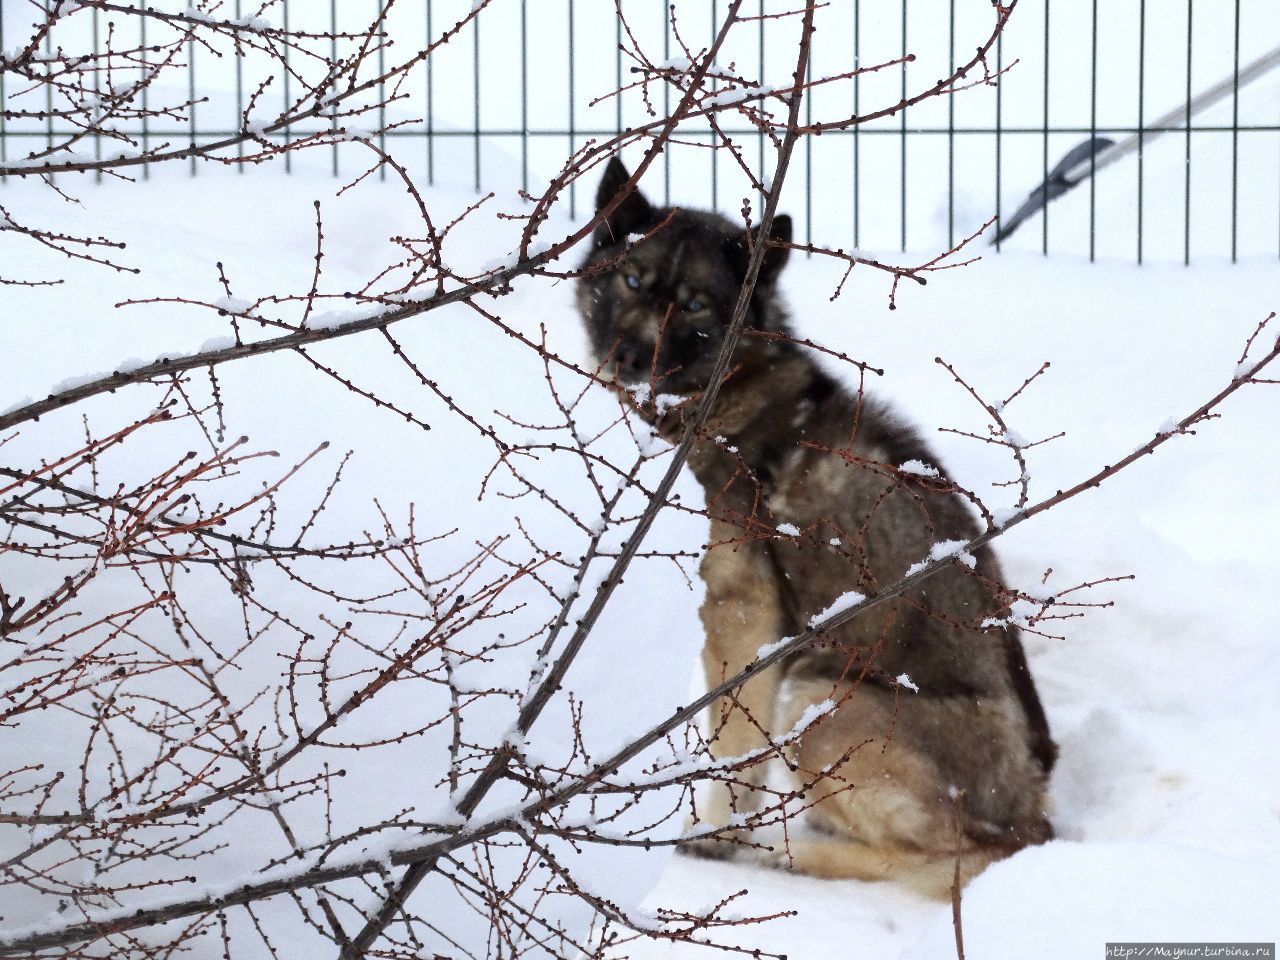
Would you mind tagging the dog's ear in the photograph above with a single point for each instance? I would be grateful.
(775, 258)
(633, 214)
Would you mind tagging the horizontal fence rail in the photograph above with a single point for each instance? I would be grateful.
(509, 97)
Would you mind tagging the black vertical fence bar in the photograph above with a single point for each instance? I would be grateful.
(333, 58)
(666, 106)
(857, 104)
(1235, 135)
(999, 129)
(715, 152)
(524, 95)
(951, 132)
(191, 97)
(760, 136)
(1093, 133)
(475, 95)
(48, 90)
(902, 138)
(288, 133)
(240, 120)
(382, 87)
(1044, 149)
(4, 140)
(94, 26)
(573, 133)
(142, 57)
(617, 75)
(808, 158)
(431, 132)
(1142, 83)
(1186, 183)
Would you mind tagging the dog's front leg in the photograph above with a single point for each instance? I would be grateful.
(742, 612)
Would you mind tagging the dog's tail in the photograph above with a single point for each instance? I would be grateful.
(930, 874)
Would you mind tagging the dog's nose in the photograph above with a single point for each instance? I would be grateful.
(631, 359)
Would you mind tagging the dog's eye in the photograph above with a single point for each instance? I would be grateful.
(694, 305)
(633, 281)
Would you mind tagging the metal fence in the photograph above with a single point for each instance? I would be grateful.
(508, 98)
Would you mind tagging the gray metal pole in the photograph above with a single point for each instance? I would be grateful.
(1165, 123)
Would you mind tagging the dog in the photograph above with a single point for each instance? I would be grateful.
(936, 755)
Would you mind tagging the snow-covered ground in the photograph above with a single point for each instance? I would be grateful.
(1165, 700)
(1165, 704)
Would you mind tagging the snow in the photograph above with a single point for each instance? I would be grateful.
(63, 156)
(335, 319)
(129, 365)
(768, 649)
(199, 15)
(173, 355)
(639, 392)
(839, 605)
(353, 134)
(234, 305)
(1165, 705)
(71, 383)
(940, 551)
(512, 257)
(735, 95)
(665, 402)
(254, 23)
(1014, 438)
(918, 468)
(809, 716)
(16, 404)
(1130, 891)
(215, 343)
(1002, 515)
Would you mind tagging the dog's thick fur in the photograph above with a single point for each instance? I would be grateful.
(905, 783)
